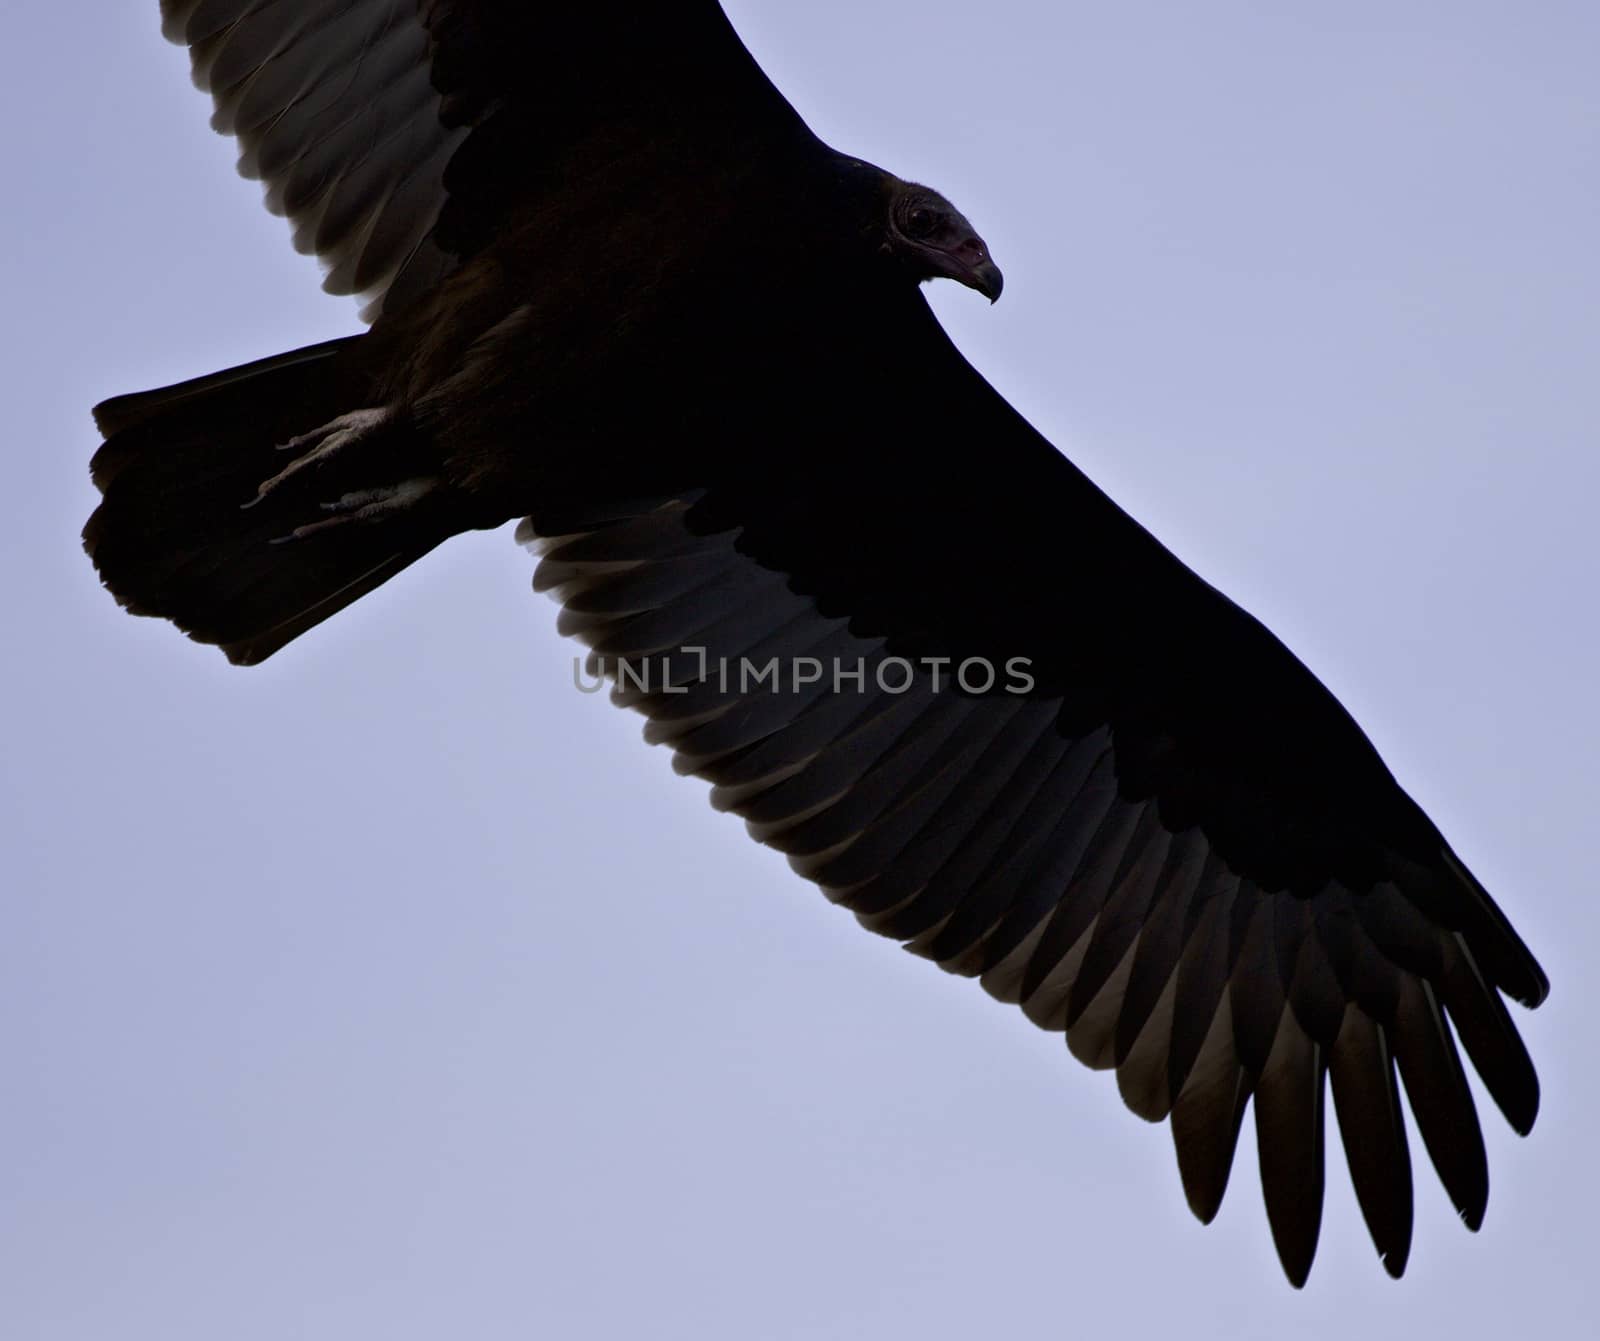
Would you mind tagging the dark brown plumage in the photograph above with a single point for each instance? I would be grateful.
(619, 290)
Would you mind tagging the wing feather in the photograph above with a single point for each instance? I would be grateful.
(335, 111)
(1289, 1140)
(354, 113)
(1366, 1097)
(1207, 882)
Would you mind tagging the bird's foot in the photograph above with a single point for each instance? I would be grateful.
(365, 506)
(322, 445)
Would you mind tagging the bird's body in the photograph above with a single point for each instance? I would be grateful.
(646, 311)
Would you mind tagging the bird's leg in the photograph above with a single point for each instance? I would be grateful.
(366, 505)
(343, 458)
(320, 446)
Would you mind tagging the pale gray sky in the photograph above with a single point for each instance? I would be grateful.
(393, 989)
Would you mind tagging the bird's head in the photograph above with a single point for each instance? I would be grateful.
(932, 239)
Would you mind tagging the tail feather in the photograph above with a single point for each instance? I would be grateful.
(180, 532)
(122, 413)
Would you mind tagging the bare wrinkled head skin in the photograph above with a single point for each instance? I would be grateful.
(935, 240)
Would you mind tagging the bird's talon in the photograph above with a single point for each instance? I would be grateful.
(322, 444)
(364, 505)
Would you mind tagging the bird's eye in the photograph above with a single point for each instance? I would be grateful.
(920, 222)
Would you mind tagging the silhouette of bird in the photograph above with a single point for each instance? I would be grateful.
(619, 290)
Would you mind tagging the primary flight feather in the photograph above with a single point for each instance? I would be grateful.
(620, 291)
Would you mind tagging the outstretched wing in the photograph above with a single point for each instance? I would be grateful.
(355, 113)
(1175, 845)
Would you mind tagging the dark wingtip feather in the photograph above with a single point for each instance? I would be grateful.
(1289, 1143)
(1206, 1118)
(1489, 1037)
(1503, 955)
(1440, 1100)
(1372, 1128)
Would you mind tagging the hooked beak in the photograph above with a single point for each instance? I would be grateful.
(972, 265)
(988, 281)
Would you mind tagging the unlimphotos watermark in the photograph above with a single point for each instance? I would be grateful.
(691, 667)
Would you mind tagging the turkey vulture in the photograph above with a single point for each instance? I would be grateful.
(617, 289)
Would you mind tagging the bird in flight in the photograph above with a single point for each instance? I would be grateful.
(618, 290)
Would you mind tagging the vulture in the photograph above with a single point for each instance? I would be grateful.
(617, 290)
